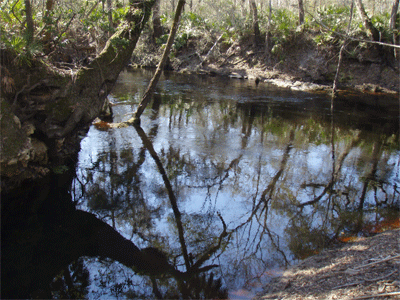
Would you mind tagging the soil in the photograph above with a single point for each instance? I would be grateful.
(366, 268)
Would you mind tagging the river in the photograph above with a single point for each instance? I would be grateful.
(247, 179)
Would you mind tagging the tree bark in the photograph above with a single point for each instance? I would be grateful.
(55, 103)
(109, 13)
(301, 12)
(256, 28)
(157, 28)
(48, 24)
(367, 21)
(85, 97)
(29, 22)
(152, 85)
(393, 15)
(392, 25)
(268, 34)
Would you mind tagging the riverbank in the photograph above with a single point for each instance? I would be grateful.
(300, 64)
(365, 268)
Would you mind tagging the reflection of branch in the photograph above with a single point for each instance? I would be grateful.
(336, 173)
(276, 245)
(147, 143)
(271, 187)
(212, 250)
(266, 196)
(233, 163)
(370, 175)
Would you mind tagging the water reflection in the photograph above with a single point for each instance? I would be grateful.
(233, 182)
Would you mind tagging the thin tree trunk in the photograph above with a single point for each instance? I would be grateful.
(393, 18)
(301, 12)
(256, 28)
(334, 88)
(48, 24)
(29, 22)
(393, 15)
(49, 9)
(157, 28)
(268, 35)
(152, 85)
(109, 13)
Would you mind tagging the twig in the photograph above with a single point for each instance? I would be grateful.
(377, 262)
(380, 278)
(364, 280)
(347, 285)
(69, 23)
(12, 10)
(335, 81)
(377, 295)
(210, 51)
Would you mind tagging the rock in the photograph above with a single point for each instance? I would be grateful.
(22, 156)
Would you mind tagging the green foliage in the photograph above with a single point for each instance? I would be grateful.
(330, 20)
(283, 23)
(181, 40)
(193, 20)
(119, 14)
(381, 22)
(13, 33)
(162, 39)
(66, 24)
(117, 42)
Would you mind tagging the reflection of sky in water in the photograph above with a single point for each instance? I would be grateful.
(224, 167)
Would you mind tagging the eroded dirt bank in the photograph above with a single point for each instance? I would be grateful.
(367, 268)
(300, 63)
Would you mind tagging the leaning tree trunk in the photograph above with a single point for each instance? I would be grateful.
(54, 103)
(86, 94)
(367, 21)
(152, 85)
(386, 54)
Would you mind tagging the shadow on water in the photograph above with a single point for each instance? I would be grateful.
(226, 184)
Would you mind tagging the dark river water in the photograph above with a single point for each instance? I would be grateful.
(245, 179)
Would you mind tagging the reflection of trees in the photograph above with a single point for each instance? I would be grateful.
(194, 285)
(72, 282)
(289, 204)
(337, 167)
